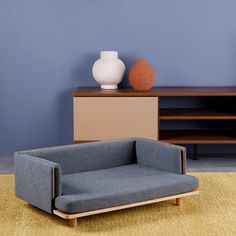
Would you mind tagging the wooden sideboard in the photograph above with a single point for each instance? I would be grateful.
(111, 114)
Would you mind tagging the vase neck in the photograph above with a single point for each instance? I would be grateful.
(109, 55)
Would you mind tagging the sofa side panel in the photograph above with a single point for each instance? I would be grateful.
(35, 181)
(161, 156)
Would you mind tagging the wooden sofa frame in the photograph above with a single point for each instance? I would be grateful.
(73, 217)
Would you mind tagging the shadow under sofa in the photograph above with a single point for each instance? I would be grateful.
(84, 179)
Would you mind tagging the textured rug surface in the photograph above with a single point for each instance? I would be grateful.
(211, 213)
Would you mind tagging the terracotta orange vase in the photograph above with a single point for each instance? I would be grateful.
(142, 76)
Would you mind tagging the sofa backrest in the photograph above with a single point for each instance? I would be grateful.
(90, 156)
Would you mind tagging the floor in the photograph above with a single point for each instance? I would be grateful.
(212, 164)
(203, 164)
(6, 165)
(211, 213)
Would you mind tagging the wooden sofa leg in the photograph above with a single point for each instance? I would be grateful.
(179, 201)
(73, 222)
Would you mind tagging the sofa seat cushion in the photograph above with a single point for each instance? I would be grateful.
(105, 188)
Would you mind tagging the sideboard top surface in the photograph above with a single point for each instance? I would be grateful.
(157, 91)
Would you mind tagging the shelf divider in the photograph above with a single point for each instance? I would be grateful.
(195, 114)
(197, 137)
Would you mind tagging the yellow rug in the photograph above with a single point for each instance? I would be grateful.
(211, 213)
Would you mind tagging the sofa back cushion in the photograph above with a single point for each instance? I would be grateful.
(90, 156)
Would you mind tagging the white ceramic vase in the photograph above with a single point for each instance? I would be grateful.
(109, 70)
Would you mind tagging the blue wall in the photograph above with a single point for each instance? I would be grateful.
(47, 49)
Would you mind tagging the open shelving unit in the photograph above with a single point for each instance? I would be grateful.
(215, 124)
(211, 121)
(219, 135)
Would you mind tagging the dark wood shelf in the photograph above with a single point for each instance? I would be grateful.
(195, 114)
(197, 137)
(165, 91)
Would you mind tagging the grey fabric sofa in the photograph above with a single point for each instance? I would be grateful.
(84, 179)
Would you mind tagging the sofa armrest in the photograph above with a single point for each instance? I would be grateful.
(37, 181)
(162, 156)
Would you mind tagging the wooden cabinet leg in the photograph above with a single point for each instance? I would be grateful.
(179, 201)
(73, 222)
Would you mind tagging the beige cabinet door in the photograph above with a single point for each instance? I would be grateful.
(101, 118)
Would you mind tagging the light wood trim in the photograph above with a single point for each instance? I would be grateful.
(115, 118)
(83, 214)
(73, 222)
(179, 201)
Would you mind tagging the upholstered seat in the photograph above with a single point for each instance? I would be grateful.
(105, 188)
